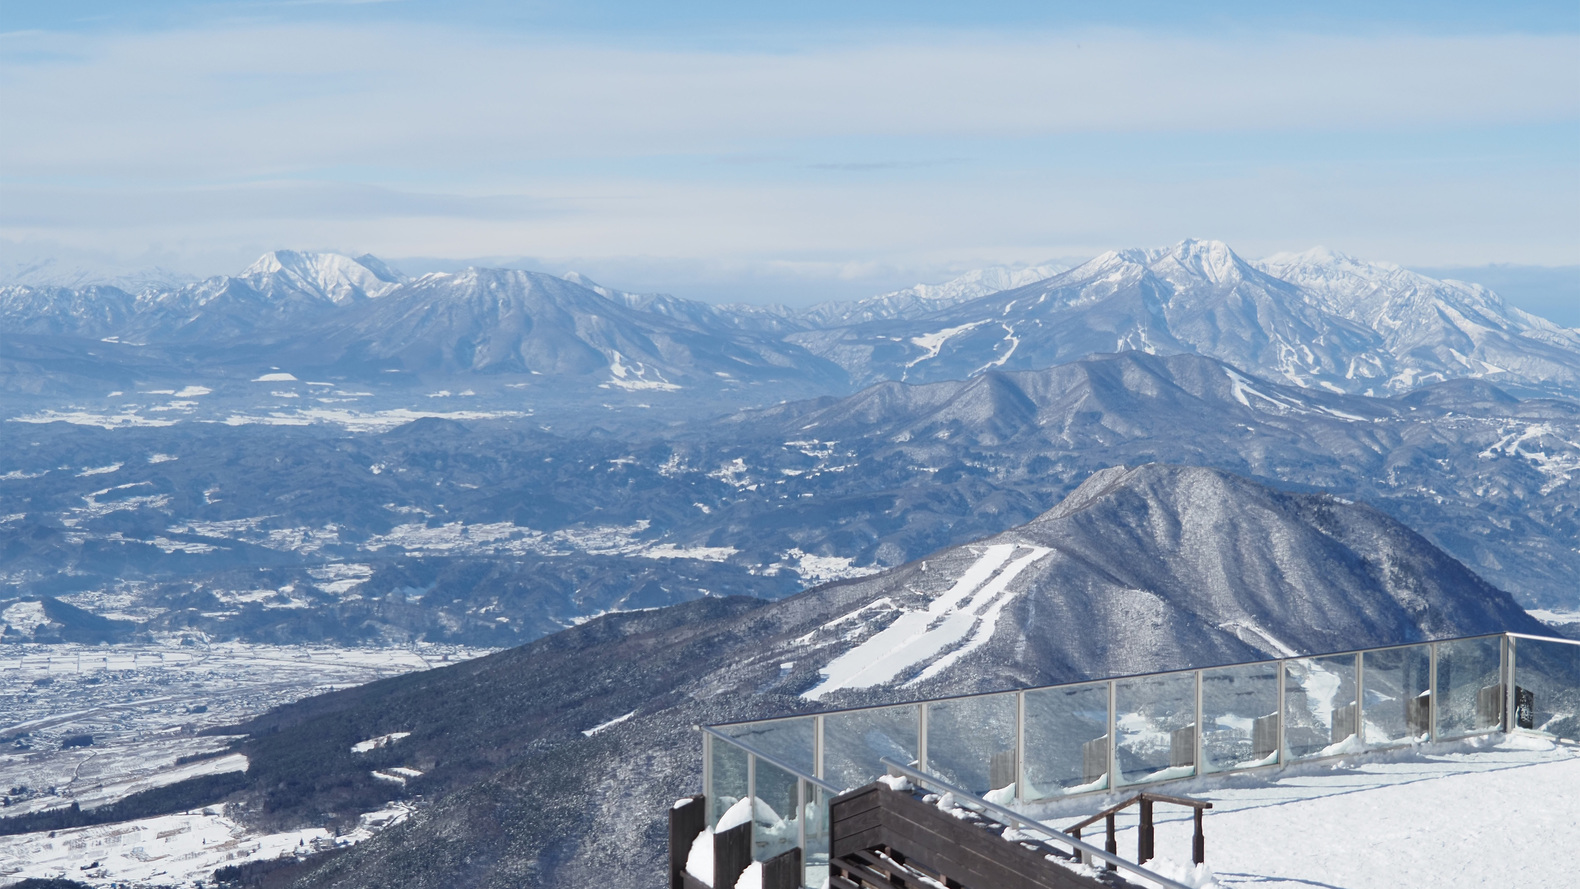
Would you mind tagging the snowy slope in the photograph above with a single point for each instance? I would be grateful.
(509, 321)
(1155, 567)
(1446, 328)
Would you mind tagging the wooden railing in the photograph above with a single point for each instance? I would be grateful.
(1144, 851)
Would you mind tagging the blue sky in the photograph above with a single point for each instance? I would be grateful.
(786, 151)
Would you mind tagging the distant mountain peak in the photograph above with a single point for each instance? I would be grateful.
(336, 277)
(1211, 260)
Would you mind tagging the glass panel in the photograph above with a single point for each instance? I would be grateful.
(971, 744)
(1547, 687)
(729, 779)
(1470, 685)
(789, 740)
(855, 740)
(775, 817)
(815, 855)
(1155, 727)
(1398, 695)
(1066, 740)
(1239, 708)
(1319, 707)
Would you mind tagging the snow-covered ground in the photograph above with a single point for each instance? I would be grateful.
(181, 849)
(1493, 811)
(142, 706)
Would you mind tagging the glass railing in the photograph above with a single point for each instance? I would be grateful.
(1036, 744)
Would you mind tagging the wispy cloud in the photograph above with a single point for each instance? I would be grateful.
(444, 140)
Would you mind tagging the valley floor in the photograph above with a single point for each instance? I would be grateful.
(142, 706)
(1486, 812)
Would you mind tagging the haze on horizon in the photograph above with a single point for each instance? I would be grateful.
(789, 153)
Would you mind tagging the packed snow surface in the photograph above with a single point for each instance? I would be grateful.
(1492, 811)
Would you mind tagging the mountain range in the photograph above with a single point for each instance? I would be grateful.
(1317, 319)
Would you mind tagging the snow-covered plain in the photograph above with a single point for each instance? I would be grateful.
(1492, 811)
(180, 849)
(143, 706)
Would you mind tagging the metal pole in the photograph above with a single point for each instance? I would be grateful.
(817, 747)
(1508, 686)
(1360, 700)
(921, 737)
(1200, 764)
(1283, 672)
(1113, 741)
(1020, 746)
(1431, 698)
(800, 826)
(707, 777)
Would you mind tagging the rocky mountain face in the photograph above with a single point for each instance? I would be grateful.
(1140, 568)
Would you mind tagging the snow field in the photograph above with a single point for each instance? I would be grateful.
(1491, 811)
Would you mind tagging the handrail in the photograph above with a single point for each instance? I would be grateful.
(1140, 797)
(1147, 675)
(1539, 638)
(1019, 821)
(773, 760)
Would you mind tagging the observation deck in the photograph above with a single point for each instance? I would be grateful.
(1265, 741)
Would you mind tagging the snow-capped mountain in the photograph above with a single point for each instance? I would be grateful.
(94, 311)
(1435, 329)
(1199, 296)
(1316, 320)
(1146, 568)
(510, 321)
(339, 279)
(921, 299)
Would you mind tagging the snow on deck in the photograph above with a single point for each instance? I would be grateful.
(1494, 811)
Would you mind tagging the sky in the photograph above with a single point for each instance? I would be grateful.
(789, 152)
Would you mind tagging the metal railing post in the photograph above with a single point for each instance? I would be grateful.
(1200, 744)
(1360, 700)
(801, 816)
(1283, 679)
(707, 777)
(817, 747)
(1113, 735)
(1508, 684)
(1020, 746)
(1432, 696)
(921, 737)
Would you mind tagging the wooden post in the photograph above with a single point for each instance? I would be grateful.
(1199, 847)
(732, 854)
(1112, 847)
(783, 871)
(1144, 854)
(686, 820)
